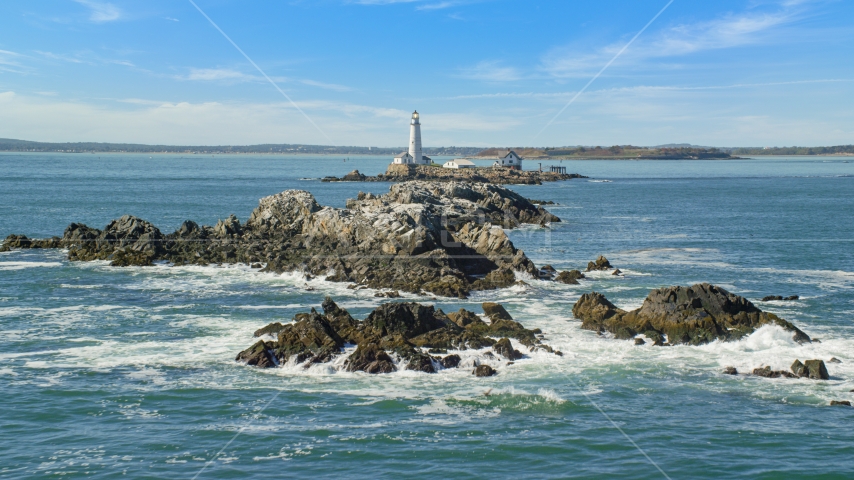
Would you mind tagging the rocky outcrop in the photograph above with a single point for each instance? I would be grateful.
(484, 371)
(393, 330)
(601, 263)
(495, 176)
(692, 315)
(445, 238)
(813, 369)
(569, 277)
(771, 298)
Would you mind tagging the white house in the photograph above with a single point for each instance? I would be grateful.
(459, 163)
(509, 160)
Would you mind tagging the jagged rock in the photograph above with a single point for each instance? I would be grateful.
(685, 315)
(391, 294)
(771, 298)
(834, 360)
(504, 348)
(484, 371)
(451, 361)
(570, 277)
(768, 373)
(617, 272)
(844, 403)
(354, 176)
(640, 341)
(443, 238)
(400, 329)
(816, 370)
(730, 371)
(495, 311)
(370, 358)
(271, 329)
(464, 318)
(257, 355)
(601, 263)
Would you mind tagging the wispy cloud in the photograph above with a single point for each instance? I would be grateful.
(230, 75)
(490, 71)
(64, 58)
(218, 74)
(101, 12)
(327, 86)
(728, 31)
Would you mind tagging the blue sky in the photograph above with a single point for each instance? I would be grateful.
(481, 72)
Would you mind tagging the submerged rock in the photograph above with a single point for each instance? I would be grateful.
(768, 373)
(844, 403)
(445, 238)
(692, 315)
(400, 330)
(730, 371)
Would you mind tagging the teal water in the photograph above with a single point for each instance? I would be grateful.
(108, 372)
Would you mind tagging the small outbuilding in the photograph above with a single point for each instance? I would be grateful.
(459, 163)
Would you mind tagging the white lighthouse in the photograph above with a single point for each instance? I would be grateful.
(414, 155)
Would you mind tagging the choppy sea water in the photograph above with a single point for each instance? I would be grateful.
(129, 371)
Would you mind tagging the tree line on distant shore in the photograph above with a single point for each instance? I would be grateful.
(614, 151)
(10, 145)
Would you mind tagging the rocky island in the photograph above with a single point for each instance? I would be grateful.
(394, 336)
(495, 176)
(692, 315)
(446, 238)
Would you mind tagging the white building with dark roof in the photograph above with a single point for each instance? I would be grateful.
(509, 160)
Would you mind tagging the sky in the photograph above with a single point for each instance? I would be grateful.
(480, 72)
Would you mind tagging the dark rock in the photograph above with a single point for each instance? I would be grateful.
(844, 403)
(771, 298)
(617, 272)
(256, 265)
(421, 363)
(257, 355)
(504, 348)
(834, 360)
(464, 318)
(370, 358)
(354, 176)
(495, 311)
(391, 294)
(484, 371)
(402, 329)
(601, 263)
(570, 277)
(730, 371)
(768, 373)
(640, 341)
(800, 369)
(793, 297)
(271, 329)
(685, 315)
(817, 370)
(451, 361)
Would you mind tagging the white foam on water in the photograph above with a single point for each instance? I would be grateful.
(9, 266)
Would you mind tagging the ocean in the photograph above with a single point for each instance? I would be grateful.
(110, 372)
